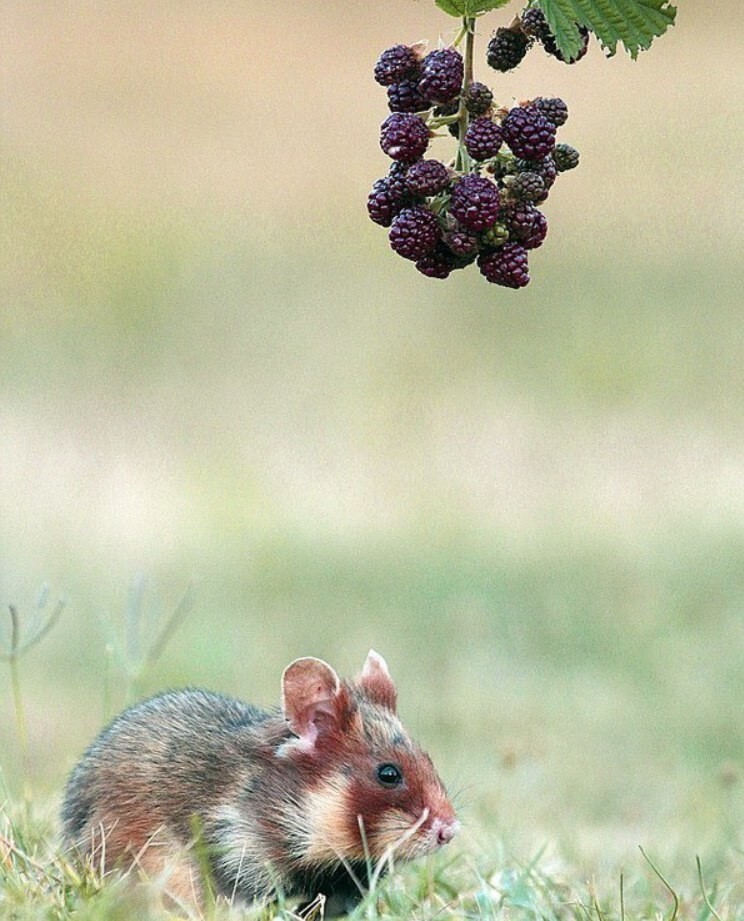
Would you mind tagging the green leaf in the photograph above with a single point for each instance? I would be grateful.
(462, 8)
(633, 23)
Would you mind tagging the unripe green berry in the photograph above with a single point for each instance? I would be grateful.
(496, 235)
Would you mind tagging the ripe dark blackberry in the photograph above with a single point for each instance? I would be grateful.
(537, 233)
(528, 133)
(383, 203)
(395, 64)
(550, 45)
(389, 195)
(414, 232)
(462, 242)
(554, 109)
(439, 263)
(544, 168)
(506, 49)
(506, 266)
(404, 136)
(534, 24)
(475, 202)
(483, 138)
(396, 179)
(406, 96)
(528, 186)
(565, 157)
(526, 225)
(478, 99)
(441, 75)
(427, 177)
(519, 219)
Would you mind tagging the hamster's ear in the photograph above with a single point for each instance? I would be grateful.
(376, 682)
(309, 691)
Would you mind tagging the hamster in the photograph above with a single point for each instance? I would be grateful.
(299, 801)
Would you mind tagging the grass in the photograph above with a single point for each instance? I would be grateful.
(40, 882)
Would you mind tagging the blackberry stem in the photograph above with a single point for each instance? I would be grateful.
(463, 158)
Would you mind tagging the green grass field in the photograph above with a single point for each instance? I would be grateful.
(218, 383)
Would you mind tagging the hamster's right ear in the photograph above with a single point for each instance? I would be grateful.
(309, 691)
(376, 681)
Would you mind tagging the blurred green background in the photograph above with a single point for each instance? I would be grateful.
(214, 371)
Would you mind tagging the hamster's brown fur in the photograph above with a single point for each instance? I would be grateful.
(298, 801)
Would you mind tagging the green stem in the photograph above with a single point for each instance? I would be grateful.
(461, 34)
(20, 716)
(463, 163)
(20, 713)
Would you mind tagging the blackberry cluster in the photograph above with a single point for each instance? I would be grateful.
(482, 207)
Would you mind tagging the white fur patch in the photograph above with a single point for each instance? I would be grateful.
(240, 853)
(319, 832)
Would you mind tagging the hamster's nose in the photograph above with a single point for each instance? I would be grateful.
(445, 831)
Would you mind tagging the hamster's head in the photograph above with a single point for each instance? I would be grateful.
(367, 789)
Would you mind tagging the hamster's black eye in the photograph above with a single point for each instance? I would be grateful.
(389, 775)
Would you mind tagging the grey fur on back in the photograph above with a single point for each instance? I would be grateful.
(185, 745)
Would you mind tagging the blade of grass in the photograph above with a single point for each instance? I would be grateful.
(707, 901)
(674, 895)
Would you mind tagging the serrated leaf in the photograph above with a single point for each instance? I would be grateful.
(462, 8)
(633, 23)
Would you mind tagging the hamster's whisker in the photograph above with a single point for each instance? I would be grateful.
(388, 854)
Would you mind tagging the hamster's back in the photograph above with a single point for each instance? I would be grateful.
(156, 766)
